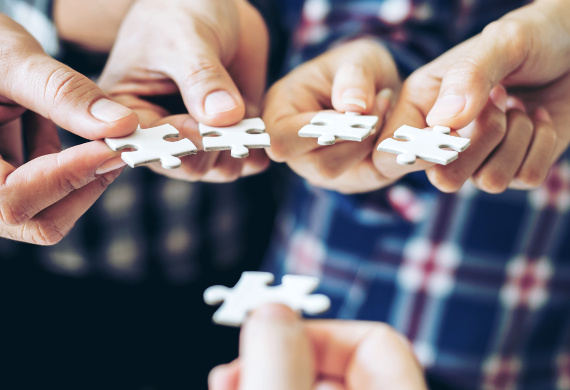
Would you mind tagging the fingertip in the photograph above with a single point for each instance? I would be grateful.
(120, 128)
(274, 312)
(499, 97)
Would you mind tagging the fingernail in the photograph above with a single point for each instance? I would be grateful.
(542, 115)
(110, 165)
(515, 104)
(499, 98)
(275, 311)
(109, 111)
(355, 97)
(446, 107)
(218, 102)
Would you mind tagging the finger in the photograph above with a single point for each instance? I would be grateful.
(40, 136)
(249, 67)
(11, 145)
(497, 172)
(70, 99)
(331, 162)
(486, 133)
(257, 162)
(353, 89)
(10, 112)
(285, 140)
(226, 169)
(497, 52)
(405, 112)
(329, 385)
(275, 352)
(47, 179)
(208, 91)
(539, 157)
(364, 355)
(225, 377)
(52, 224)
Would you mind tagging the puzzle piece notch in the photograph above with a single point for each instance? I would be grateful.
(151, 146)
(425, 144)
(253, 291)
(248, 134)
(330, 126)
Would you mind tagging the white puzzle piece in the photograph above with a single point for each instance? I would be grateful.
(253, 291)
(425, 144)
(248, 134)
(151, 146)
(328, 126)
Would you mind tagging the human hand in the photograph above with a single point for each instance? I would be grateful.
(278, 351)
(359, 76)
(514, 139)
(213, 54)
(44, 191)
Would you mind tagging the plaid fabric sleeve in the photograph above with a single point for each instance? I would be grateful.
(36, 17)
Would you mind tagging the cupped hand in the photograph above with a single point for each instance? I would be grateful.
(278, 351)
(43, 191)
(211, 53)
(517, 134)
(358, 76)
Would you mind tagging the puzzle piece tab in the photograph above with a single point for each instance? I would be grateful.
(248, 134)
(151, 146)
(328, 126)
(253, 291)
(425, 144)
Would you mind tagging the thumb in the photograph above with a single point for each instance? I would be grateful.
(491, 57)
(209, 93)
(68, 98)
(275, 351)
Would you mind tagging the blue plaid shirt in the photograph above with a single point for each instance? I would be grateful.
(479, 283)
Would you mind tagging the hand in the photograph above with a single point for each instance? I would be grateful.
(278, 351)
(359, 76)
(515, 139)
(206, 51)
(41, 199)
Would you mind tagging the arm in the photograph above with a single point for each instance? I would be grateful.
(91, 24)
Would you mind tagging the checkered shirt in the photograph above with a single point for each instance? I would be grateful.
(479, 283)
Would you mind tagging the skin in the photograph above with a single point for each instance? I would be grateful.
(42, 196)
(280, 351)
(218, 71)
(513, 85)
(330, 81)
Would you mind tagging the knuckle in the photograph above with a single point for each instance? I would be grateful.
(445, 180)
(46, 232)
(201, 70)
(14, 215)
(66, 86)
(326, 170)
(513, 36)
(531, 176)
(493, 182)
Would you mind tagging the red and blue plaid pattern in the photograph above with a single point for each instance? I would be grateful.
(479, 283)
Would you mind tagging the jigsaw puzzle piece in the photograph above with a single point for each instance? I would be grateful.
(425, 144)
(330, 126)
(253, 291)
(151, 146)
(248, 134)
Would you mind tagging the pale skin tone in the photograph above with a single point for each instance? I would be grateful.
(44, 195)
(279, 351)
(496, 159)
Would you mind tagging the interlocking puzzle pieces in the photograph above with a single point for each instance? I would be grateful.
(151, 146)
(253, 291)
(248, 134)
(425, 144)
(328, 126)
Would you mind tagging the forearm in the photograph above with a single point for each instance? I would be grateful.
(92, 24)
